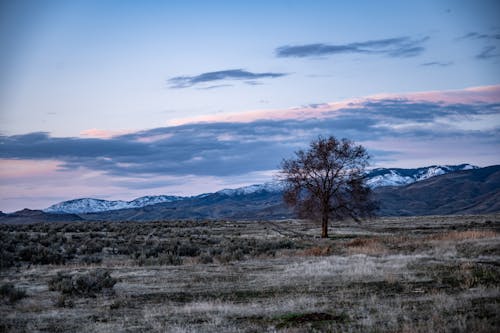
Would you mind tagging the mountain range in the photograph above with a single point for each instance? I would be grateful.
(474, 191)
(435, 190)
(375, 178)
(90, 205)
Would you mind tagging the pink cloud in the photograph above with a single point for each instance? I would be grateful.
(103, 134)
(10, 169)
(155, 138)
(40, 183)
(483, 94)
(273, 114)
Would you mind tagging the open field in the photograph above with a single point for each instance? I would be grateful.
(414, 274)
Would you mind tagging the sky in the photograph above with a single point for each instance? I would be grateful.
(120, 99)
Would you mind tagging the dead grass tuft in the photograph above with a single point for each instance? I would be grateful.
(370, 246)
(317, 251)
(464, 235)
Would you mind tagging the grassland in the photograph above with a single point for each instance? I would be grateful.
(415, 274)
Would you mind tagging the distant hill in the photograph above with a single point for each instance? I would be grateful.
(469, 191)
(246, 206)
(472, 191)
(475, 191)
(376, 178)
(90, 205)
(34, 216)
(399, 177)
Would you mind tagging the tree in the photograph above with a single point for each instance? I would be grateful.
(328, 182)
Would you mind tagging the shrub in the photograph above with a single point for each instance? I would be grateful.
(39, 254)
(485, 275)
(236, 255)
(206, 259)
(11, 293)
(188, 250)
(91, 247)
(163, 259)
(83, 285)
(64, 302)
(7, 259)
(92, 259)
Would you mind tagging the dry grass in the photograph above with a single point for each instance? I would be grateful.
(315, 251)
(393, 275)
(369, 246)
(464, 235)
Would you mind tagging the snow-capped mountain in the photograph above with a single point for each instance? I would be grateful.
(268, 187)
(398, 177)
(89, 205)
(376, 178)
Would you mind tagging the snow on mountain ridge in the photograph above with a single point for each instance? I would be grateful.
(376, 178)
(90, 205)
(398, 177)
(269, 187)
(390, 179)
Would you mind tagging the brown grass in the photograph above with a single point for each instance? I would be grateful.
(389, 275)
(464, 235)
(315, 251)
(371, 246)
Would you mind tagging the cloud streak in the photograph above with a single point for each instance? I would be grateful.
(230, 149)
(218, 76)
(437, 64)
(488, 52)
(399, 130)
(400, 47)
(478, 35)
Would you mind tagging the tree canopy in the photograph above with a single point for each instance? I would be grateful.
(328, 181)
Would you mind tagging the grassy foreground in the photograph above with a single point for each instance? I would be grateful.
(415, 274)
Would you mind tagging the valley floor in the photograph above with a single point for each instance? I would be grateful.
(412, 274)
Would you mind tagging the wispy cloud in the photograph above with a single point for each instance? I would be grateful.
(102, 134)
(216, 86)
(488, 52)
(437, 64)
(229, 149)
(225, 75)
(392, 47)
(478, 35)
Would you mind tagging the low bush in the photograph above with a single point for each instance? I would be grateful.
(162, 259)
(298, 319)
(188, 250)
(87, 285)
(91, 259)
(227, 257)
(206, 259)
(11, 293)
(91, 247)
(7, 259)
(39, 254)
(63, 301)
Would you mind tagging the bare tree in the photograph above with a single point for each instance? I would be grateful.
(328, 182)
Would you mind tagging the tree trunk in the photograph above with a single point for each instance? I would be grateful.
(324, 226)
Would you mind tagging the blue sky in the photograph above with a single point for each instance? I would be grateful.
(117, 99)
